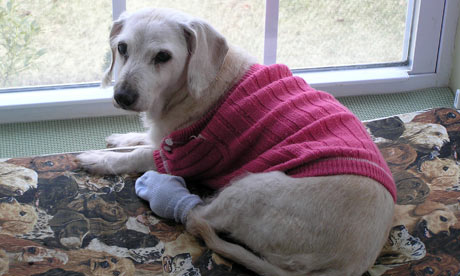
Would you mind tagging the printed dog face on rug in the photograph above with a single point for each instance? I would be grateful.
(398, 156)
(438, 221)
(440, 264)
(425, 137)
(16, 180)
(37, 254)
(401, 247)
(439, 173)
(16, 218)
(411, 189)
(179, 265)
(442, 116)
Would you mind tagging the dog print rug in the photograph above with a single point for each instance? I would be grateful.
(56, 219)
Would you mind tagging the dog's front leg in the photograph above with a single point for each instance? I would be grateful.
(127, 139)
(109, 162)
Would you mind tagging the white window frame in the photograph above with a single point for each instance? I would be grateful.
(431, 48)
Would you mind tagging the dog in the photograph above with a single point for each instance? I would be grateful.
(176, 70)
(436, 265)
(389, 128)
(139, 247)
(444, 116)
(16, 180)
(398, 156)
(400, 248)
(425, 137)
(438, 173)
(435, 217)
(16, 218)
(412, 190)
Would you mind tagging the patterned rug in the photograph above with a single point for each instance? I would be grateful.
(58, 220)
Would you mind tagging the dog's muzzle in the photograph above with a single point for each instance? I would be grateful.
(125, 97)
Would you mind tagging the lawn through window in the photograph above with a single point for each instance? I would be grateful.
(320, 33)
(48, 42)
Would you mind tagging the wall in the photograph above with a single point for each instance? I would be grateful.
(455, 76)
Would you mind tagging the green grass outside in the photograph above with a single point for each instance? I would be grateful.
(312, 33)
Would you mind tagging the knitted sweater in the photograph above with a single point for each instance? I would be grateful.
(273, 121)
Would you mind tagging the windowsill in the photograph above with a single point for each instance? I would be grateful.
(95, 101)
(57, 104)
(55, 96)
(327, 78)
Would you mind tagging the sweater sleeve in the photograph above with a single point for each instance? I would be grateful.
(197, 157)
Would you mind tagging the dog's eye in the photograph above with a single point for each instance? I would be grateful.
(162, 57)
(123, 48)
(443, 218)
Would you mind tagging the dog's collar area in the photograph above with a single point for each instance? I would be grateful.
(168, 144)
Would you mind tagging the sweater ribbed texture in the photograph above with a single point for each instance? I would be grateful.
(273, 121)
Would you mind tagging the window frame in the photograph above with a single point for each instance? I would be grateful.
(430, 51)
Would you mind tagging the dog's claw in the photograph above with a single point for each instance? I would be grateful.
(93, 162)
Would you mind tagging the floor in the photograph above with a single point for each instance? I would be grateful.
(27, 139)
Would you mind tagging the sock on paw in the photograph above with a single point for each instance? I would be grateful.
(167, 195)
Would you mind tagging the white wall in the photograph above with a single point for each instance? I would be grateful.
(455, 76)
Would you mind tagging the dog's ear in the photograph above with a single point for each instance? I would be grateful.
(207, 49)
(428, 207)
(116, 29)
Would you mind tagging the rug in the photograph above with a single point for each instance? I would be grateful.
(56, 219)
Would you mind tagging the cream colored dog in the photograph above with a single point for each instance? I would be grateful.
(174, 68)
(425, 137)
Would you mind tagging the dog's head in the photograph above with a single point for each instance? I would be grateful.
(16, 218)
(425, 137)
(401, 247)
(158, 52)
(435, 218)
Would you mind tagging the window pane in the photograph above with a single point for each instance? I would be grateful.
(46, 42)
(240, 21)
(318, 33)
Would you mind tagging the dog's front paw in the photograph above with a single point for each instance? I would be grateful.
(97, 162)
(126, 140)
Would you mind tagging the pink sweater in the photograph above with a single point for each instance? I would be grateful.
(273, 121)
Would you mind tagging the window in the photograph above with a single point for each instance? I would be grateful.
(346, 47)
(329, 33)
(53, 42)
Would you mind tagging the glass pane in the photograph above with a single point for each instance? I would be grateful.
(318, 33)
(47, 42)
(240, 21)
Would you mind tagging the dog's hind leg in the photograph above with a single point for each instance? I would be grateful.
(331, 272)
(298, 226)
(200, 227)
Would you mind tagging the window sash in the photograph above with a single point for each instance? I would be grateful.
(429, 55)
(271, 31)
(421, 53)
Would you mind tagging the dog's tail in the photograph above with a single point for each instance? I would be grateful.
(200, 227)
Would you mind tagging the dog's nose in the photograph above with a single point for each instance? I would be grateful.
(125, 98)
